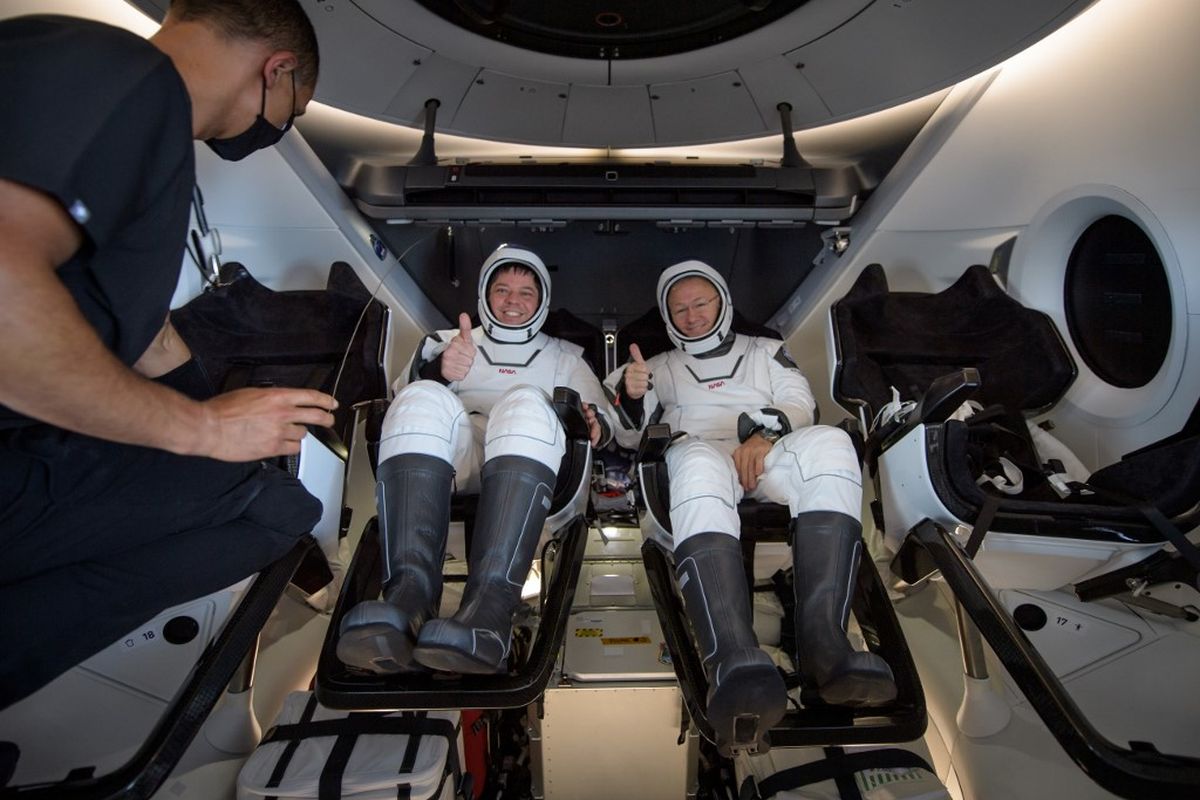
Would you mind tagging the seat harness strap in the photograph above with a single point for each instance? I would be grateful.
(1153, 515)
(987, 514)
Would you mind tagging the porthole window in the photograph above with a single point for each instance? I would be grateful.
(1118, 302)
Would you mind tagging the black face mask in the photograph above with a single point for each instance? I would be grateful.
(260, 134)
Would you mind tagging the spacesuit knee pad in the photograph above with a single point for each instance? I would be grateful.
(704, 490)
(425, 418)
(523, 423)
(816, 469)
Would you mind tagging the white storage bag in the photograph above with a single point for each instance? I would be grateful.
(831, 773)
(316, 753)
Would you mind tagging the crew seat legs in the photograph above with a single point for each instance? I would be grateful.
(746, 693)
(413, 495)
(826, 548)
(515, 494)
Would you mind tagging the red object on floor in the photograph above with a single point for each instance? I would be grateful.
(475, 743)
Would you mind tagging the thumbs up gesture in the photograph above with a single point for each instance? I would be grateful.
(637, 375)
(458, 357)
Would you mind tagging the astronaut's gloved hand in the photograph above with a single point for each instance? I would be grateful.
(458, 357)
(750, 460)
(593, 423)
(637, 375)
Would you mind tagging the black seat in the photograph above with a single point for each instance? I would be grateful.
(1017, 364)
(562, 324)
(814, 724)
(1167, 478)
(339, 686)
(973, 340)
(910, 339)
(245, 334)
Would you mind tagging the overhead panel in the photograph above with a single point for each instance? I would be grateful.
(776, 80)
(513, 108)
(364, 61)
(619, 115)
(614, 28)
(803, 25)
(830, 59)
(721, 106)
(902, 49)
(439, 78)
(412, 20)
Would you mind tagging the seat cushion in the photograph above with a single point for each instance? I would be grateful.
(1167, 477)
(908, 339)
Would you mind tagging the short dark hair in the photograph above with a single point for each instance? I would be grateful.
(281, 23)
(520, 269)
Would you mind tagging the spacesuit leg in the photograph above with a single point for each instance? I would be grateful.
(704, 490)
(815, 470)
(524, 446)
(425, 430)
(746, 695)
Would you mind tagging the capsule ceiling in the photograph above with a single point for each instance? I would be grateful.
(654, 74)
(611, 29)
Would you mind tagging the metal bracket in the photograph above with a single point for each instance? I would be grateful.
(1156, 606)
(836, 240)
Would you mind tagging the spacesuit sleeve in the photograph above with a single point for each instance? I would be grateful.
(792, 403)
(631, 416)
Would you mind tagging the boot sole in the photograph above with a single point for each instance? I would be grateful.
(868, 685)
(749, 703)
(377, 647)
(449, 659)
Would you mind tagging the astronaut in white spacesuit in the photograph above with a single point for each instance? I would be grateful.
(476, 414)
(748, 414)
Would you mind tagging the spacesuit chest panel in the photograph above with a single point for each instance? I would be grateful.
(706, 395)
(499, 367)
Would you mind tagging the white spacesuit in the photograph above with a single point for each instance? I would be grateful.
(723, 390)
(493, 431)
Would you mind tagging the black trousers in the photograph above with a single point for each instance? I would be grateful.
(96, 538)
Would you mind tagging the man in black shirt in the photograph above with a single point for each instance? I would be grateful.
(119, 495)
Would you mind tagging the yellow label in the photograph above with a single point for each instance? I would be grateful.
(589, 633)
(610, 641)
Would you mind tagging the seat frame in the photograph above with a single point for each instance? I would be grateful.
(918, 461)
(924, 499)
(815, 723)
(142, 775)
(1134, 772)
(342, 687)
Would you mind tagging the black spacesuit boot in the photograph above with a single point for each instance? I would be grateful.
(515, 494)
(413, 498)
(826, 548)
(746, 693)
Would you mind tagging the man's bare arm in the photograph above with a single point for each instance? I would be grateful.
(53, 366)
(165, 353)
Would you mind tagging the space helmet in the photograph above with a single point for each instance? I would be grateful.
(508, 256)
(720, 330)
